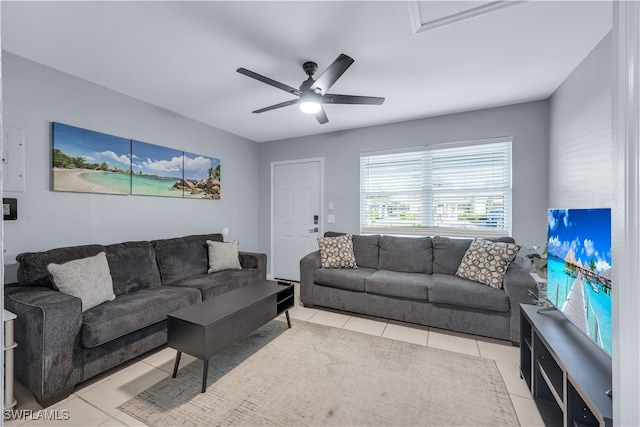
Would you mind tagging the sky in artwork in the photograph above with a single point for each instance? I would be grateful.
(587, 232)
(94, 147)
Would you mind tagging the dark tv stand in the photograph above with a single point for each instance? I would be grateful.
(567, 374)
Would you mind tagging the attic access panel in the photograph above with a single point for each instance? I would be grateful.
(427, 15)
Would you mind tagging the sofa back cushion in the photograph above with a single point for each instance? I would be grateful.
(448, 252)
(133, 266)
(366, 250)
(408, 254)
(183, 257)
(32, 268)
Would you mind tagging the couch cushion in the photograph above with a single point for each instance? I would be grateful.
(133, 311)
(448, 252)
(407, 254)
(366, 250)
(487, 262)
(32, 269)
(183, 256)
(454, 290)
(219, 282)
(399, 285)
(349, 279)
(87, 278)
(133, 266)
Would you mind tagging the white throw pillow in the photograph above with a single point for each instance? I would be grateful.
(88, 279)
(223, 256)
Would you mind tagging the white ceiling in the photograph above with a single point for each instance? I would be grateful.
(183, 56)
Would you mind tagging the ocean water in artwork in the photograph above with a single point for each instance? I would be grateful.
(110, 181)
(154, 186)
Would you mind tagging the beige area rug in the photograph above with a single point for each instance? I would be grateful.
(316, 375)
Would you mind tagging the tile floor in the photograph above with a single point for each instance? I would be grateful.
(94, 402)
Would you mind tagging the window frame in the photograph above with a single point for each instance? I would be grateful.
(489, 229)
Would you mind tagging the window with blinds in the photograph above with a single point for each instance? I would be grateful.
(452, 191)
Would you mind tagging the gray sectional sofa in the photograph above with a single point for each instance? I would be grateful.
(59, 346)
(413, 280)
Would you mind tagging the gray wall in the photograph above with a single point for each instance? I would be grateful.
(580, 148)
(527, 123)
(35, 96)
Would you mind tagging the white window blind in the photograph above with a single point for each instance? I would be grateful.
(453, 191)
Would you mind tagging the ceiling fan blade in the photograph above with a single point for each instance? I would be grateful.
(321, 116)
(333, 73)
(273, 107)
(268, 81)
(332, 98)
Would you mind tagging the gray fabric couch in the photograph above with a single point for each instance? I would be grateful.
(413, 280)
(59, 346)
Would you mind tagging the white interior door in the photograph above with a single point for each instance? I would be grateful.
(296, 215)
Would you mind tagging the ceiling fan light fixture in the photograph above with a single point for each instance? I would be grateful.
(312, 92)
(310, 107)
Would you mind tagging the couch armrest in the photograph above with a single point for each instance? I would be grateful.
(521, 288)
(254, 260)
(47, 331)
(308, 265)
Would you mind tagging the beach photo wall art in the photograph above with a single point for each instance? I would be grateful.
(92, 162)
(155, 170)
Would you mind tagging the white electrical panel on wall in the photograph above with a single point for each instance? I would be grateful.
(13, 161)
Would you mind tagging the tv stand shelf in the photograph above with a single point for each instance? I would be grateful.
(567, 374)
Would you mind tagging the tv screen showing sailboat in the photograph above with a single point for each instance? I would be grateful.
(579, 269)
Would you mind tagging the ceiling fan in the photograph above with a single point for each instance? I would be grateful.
(313, 93)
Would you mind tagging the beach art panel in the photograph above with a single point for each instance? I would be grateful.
(90, 162)
(155, 170)
(201, 177)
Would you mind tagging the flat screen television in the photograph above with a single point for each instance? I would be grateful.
(579, 269)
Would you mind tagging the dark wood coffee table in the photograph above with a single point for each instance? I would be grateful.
(205, 328)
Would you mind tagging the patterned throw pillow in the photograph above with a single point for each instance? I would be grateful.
(88, 279)
(337, 252)
(223, 256)
(487, 262)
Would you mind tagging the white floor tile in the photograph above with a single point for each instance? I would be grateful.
(24, 397)
(527, 411)
(73, 411)
(414, 335)
(329, 318)
(129, 421)
(511, 377)
(166, 358)
(123, 386)
(365, 326)
(453, 341)
(112, 422)
(498, 350)
(302, 313)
